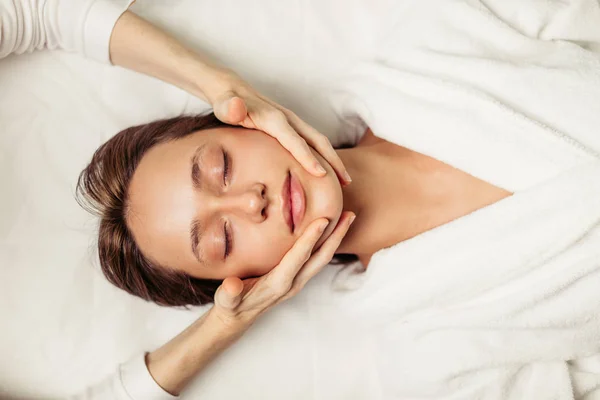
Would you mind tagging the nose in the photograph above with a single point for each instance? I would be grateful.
(251, 203)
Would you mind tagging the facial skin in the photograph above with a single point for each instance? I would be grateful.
(243, 199)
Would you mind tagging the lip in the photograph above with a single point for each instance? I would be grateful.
(297, 200)
(286, 202)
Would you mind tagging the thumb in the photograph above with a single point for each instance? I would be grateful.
(229, 293)
(230, 109)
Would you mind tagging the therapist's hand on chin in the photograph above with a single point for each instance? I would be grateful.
(237, 103)
(240, 302)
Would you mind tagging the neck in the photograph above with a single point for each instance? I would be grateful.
(396, 194)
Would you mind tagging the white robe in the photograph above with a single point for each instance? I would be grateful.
(503, 303)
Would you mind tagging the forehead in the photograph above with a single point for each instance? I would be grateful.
(161, 202)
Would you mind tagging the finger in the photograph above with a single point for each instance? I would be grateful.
(233, 286)
(321, 144)
(325, 253)
(236, 111)
(275, 123)
(282, 276)
(228, 295)
(230, 108)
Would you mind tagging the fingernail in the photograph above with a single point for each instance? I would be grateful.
(347, 177)
(323, 226)
(351, 220)
(320, 169)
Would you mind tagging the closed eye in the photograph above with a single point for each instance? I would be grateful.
(226, 165)
(227, 236)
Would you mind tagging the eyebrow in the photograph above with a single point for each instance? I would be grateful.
(195, 235)
(195, 165)
(195, 228)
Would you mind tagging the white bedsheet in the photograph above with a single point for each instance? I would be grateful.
(65, 326)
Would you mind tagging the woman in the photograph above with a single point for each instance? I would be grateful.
(105, 31)
(473, 308)
(189, 201)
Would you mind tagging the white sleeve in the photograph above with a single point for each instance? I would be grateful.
(83, 26)
(131, 381)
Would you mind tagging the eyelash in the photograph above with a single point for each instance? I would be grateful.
(227, 240)
(225, 167)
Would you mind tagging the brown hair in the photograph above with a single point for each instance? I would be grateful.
(102, 189)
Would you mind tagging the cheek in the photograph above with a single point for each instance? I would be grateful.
(260, 250)
(259, 152)
(327, 201)
(327, 193)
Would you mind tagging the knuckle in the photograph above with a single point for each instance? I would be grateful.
(287, 113)
(279, 288)
(300, 142)
(284, 289)
(277, 116)
(323, 141)
(306, 253)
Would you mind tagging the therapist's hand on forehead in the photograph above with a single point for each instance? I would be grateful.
(239, 104)
(137, 45)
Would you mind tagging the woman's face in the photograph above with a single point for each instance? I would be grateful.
(226, 202)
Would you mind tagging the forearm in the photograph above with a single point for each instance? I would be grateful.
(173, 365)
(138, 45)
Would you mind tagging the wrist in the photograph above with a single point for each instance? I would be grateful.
(175, 363)
(226, 324)
(208, 81)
